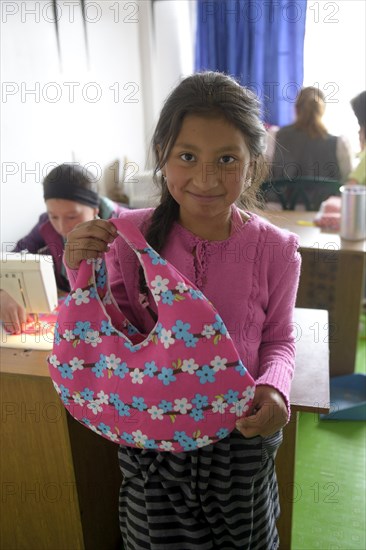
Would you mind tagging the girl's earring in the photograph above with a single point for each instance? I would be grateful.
(164, 178)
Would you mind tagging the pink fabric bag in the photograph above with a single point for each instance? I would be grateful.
(181, 387)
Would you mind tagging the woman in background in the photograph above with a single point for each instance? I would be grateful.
(71, 197)
(358, 175)
(305, 148)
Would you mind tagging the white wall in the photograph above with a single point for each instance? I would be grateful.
(102, 121)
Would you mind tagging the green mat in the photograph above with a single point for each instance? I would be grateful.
(329, 507)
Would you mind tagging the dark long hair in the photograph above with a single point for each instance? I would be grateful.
(209, 94)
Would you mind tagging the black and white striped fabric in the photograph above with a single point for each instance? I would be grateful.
(220, 497)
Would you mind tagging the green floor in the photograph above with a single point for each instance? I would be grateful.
(329, 496)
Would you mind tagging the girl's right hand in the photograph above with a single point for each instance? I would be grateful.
(88, 240)
(12, 315)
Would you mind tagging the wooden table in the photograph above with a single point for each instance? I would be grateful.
(60, 481)
(332, 278)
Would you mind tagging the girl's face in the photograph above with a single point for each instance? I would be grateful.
(64, 215)
(207, 170)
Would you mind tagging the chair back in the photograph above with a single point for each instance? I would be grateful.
(305, 190)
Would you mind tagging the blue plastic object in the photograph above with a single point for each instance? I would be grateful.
(347, 398)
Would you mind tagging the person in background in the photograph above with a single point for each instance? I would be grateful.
(358, 175)
(305, 148)
(208, 147)
(71, 197)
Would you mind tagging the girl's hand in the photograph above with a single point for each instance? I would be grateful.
(269, 414)
(88, 240)
(12, 314)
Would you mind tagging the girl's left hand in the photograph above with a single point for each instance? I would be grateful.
(269, 414)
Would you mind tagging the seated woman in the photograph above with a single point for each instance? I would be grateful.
(71, 196)
(358, 175)
(305, 148)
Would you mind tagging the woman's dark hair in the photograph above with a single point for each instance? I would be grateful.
(72, 174)
(310, 107)
(206, 94)
(358, 105)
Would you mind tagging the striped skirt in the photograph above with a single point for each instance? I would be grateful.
(220, 497)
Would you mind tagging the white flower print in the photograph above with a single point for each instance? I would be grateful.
(112, 436)
(107, 298)
(239, 408)
(102, 398)
(95, 407)
(81, 296)
(136, 376)
(166, 338)
(78, 399)
(92, 337)
(219, 363)
(139, 437)
(202, 441)
(182, 405)
(76, 364)
(208, 331)
(159, 284)
(155, 413)
(219, 405)
(248, 393)
(112, 361)
(189, 365)
(54, 361)
(68, 335)
(181, 287)
(156, 295)
(166, 446)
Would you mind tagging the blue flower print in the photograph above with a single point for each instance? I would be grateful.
(113, 398)
(165, 405)
(166, 376)
(150, 368)
(167, 297)
(223, 432)
(155, 258)
(131, 347)
(127, 437)
(150, 444)
(87, 394)
(104, 428)
(101, 280)
(196, 414)
(181, 330)
(206, 374)
(81, 329)
(138, 403)
(241, 369)
(123, 409)
(121, 370)
(219, 325)
(185, 441)
(190, 341)
(98, 369)
(131, 330)
(159, 328)
(93, 292)
(200, 401)
(65, 394)
(196, 294)
(56, 336)
(231, 396)
(106, 328)
(66, 371)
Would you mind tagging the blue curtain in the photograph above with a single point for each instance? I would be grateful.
(258, 42)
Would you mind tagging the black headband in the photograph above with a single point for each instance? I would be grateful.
(57, 189)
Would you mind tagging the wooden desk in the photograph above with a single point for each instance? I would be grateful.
(60, 481)
(332, 278)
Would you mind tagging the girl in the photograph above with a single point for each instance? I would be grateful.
(208, 147)
(71, 196)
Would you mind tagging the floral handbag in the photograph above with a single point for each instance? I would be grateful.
(178, 388)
